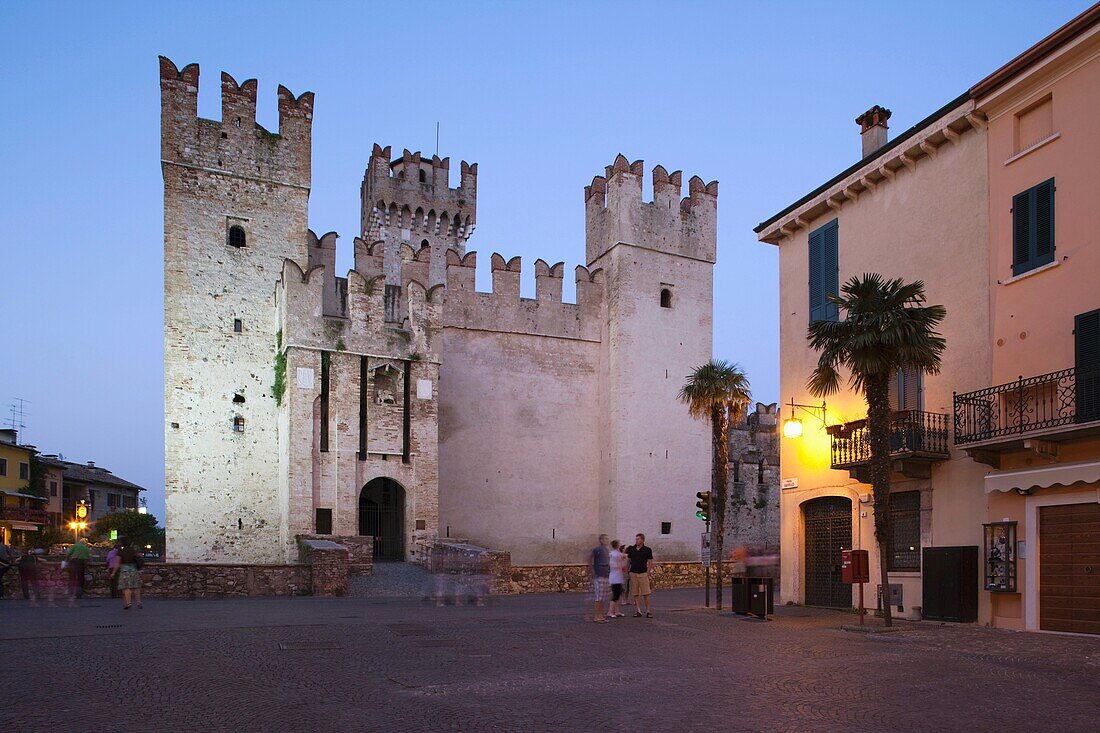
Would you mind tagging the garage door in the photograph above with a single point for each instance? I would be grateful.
(1069, 568)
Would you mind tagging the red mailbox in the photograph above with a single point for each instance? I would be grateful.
(855, 566)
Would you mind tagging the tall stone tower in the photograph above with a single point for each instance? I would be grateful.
(235, 207)
(409, 201)
(658, 259)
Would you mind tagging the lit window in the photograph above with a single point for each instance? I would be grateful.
(238, 424)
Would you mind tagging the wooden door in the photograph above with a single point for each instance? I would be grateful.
(1069, 568)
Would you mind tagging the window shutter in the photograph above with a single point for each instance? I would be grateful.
(1044, 222)
(1021, 232)
(830, 267)
(817, 286)
(911, 389)
(824, 271)
(895, 390)
(1087, 366)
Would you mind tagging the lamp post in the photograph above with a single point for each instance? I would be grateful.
(792, 426)
(80, 523)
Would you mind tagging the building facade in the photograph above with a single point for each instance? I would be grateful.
(398, 402)
(20, 511)
(949, 202)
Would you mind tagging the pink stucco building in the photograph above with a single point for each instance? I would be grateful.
(996, 484)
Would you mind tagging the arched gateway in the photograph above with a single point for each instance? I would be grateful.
(382, 516)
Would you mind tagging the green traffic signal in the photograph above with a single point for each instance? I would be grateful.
(703, 505)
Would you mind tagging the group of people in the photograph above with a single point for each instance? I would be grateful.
(619, 571)
(123, 564)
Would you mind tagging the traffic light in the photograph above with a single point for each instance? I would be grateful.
(703, 505)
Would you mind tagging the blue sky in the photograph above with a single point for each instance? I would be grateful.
(759, 95)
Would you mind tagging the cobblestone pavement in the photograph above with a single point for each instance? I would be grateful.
(390, 580)
(523, 664)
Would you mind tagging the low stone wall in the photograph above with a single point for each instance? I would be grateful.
(454, 556)
(571, 578)
(360, 550)
(181, 580)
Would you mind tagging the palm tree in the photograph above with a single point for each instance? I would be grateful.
(719, 392)
(887, 328)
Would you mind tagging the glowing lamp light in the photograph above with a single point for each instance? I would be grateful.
(792, 428)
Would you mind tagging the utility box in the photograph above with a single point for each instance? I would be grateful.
(761, 597)
(855, 566)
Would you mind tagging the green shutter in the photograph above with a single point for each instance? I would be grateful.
(1033, 227)
(824, 271)
(1087, 366)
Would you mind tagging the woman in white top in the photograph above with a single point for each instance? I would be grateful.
(618, 569)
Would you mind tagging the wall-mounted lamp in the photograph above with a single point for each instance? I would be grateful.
(792, 426)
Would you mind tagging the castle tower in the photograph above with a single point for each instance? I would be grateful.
(408, 200)
(235, 207)
(658, 259)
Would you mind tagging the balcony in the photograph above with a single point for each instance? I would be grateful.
(16, 514)
(1033, 413)
(917, 440)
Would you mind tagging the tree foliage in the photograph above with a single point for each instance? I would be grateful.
(718, 392)
(886, 329)
(131, 525)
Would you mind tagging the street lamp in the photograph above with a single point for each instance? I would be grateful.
(792, 426)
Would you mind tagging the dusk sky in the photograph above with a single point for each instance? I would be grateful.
(761, 96)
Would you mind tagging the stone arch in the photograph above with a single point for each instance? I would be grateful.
(382, 517)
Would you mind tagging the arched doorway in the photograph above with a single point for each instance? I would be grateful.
(382, 516)
(827, 529)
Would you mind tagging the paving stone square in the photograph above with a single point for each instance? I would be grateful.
(526, 663)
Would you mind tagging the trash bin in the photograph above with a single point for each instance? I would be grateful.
(761, 600)
(739, 595)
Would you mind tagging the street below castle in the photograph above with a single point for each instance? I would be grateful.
(525, 663)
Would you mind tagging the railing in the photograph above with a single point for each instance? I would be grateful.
(912, 434)
(14, 513)
(1016, 408)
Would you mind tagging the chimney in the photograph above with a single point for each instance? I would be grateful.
(872, 128)
(91, 464)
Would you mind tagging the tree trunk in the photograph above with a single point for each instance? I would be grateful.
(878, 429)
(719, 479)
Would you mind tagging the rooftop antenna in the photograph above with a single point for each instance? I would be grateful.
(437, 138)
(17, 421)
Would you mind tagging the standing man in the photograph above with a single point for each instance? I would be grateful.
(78, 557)
(640, 557)
(601, 572)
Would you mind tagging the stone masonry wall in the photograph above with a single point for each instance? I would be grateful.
(190, 580)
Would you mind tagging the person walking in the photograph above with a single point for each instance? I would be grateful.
(28, 576)
(640, 556)
(77, 559)
(112, 569)
(601, 572)
(615, 578)
(8, 559)
(129, 575)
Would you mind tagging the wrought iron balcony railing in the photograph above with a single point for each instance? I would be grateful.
(913, 435)
(17, 514)
(1025, 406)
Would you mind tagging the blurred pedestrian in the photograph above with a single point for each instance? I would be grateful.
(601, 572)
(77, 559)
(8, 559)
(129, 574)
(615, 578)
(112, 569)
(28, 576)
(640, 556)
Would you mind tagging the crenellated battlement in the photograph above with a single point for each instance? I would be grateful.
(616, 214)
(412, 194)
(236, 144)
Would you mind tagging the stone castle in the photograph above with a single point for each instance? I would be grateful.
(398, 402)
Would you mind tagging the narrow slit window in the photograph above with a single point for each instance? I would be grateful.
(666, 298)
(238, 424)
(238, 325)
(237, 236)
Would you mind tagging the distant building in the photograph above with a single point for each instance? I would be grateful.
(20, 511)
(752, 515)
(103, 491)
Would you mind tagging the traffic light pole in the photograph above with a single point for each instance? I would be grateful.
(708, 570)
